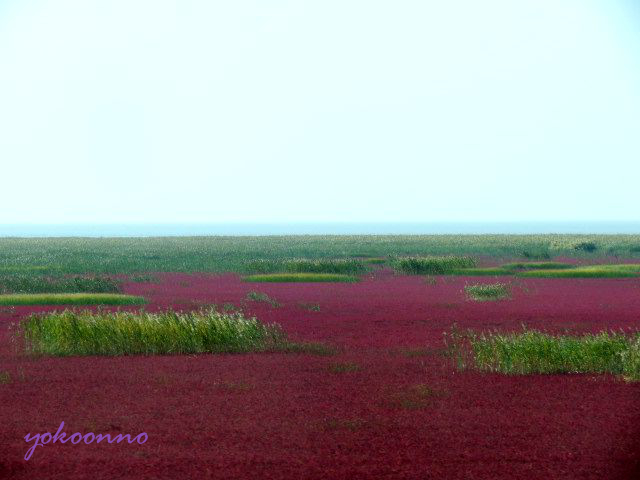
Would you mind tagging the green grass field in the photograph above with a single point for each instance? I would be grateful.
(70, 299)
(300, 277)
(57, 256)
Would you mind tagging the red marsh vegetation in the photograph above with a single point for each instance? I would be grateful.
(388, 404)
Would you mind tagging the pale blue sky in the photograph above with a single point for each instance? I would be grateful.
(276, 111)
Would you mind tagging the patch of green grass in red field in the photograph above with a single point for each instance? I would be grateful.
(537, 266)
(143, 333)
(480, 271)
(70, 299)
(589, 271)
(535, 352)
(344, 367)
(485, 292)
(433, 265)
(262, 297)
(300, 277)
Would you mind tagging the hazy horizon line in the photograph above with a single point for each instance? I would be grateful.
(606, 227)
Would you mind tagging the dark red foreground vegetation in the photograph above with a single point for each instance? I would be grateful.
(389, 405)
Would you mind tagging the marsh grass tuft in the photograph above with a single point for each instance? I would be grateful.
(169, 332)
(262, 297)
(300, 277)
(312, 307)
(483, 271)
(344, 367)
(415, 397)
(347, 266)
(535, 352)
(587, 246)
(70, 299)
(376, 260)
(631, 360)
(536, 254)
(143, 278)
(432, 265)
(484, 292)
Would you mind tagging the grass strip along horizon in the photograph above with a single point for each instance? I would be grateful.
(142, 333)
(58, 256)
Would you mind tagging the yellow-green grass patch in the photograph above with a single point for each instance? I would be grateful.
(537, 266)
(375, 260)
(300, 277)
(486, 292)
(70, 299)
(479, 271)
(590, 271)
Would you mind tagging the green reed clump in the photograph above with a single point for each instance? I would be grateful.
(587, 246)
(24, 283)
(484, 291)
(535, 352)
(312, 307)
(304, 265)
(129, 333)
(536, 253)
(433, 265)
(631, 361)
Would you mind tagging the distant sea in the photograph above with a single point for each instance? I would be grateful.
(260, 229)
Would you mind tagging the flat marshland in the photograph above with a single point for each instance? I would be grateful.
(409, 356)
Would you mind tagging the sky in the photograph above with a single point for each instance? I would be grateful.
(134, 111)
